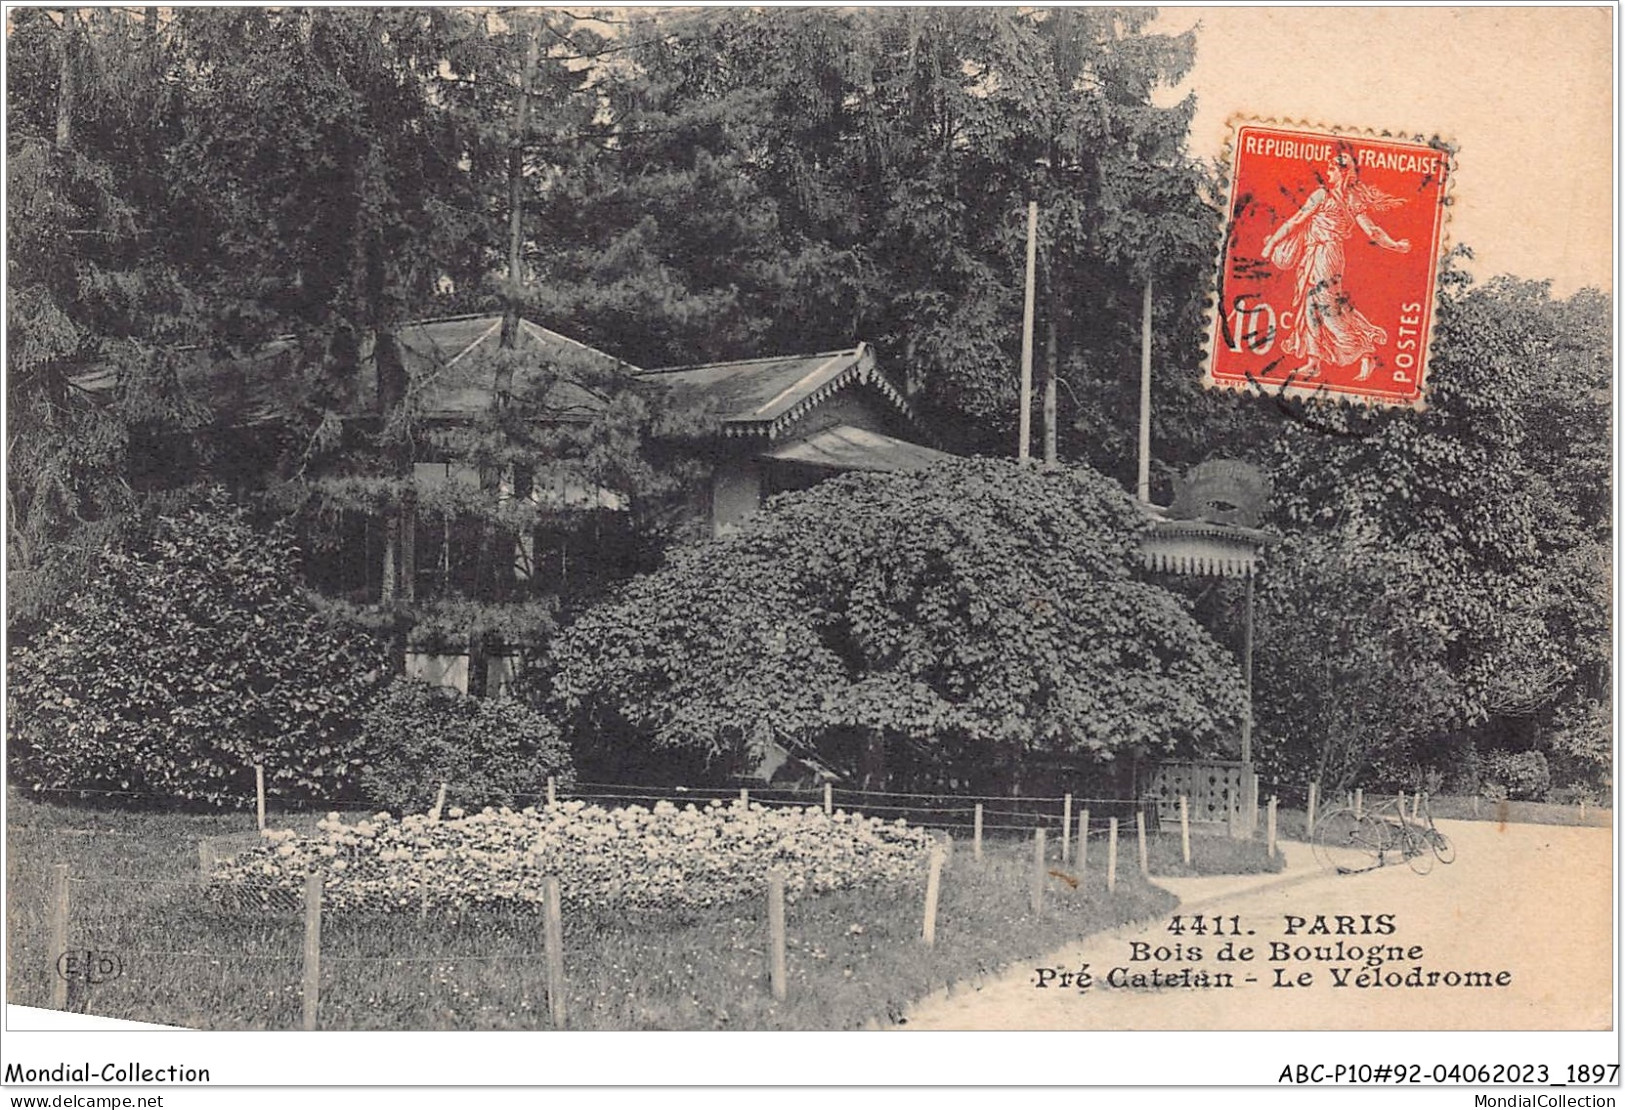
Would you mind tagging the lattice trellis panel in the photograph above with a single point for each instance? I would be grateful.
(1216, 789)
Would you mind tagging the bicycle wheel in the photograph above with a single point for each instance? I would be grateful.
(1443, 847)
(1418, 848)
(1347, 843)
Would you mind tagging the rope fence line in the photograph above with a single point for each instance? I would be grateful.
(1289, 793)
(539, 955)
(90, 790)
(326, 957)
(758, 792)
(148, 954)
(817, 792)
(1012, 815)
(110, 880)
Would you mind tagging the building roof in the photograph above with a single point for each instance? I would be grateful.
(844, 447)
(240, 391)
(1201, 547)
(764, 396)
(453, 381)
(441, 357)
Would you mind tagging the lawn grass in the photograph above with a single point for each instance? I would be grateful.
(853, 957)
(1519, 813)
(1211, 855)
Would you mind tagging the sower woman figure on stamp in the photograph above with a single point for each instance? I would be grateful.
(1326, 328)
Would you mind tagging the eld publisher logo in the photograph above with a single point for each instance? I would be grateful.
(88, 966)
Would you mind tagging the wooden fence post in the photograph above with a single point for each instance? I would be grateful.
(933, 887)
(1416, 804)
(1083, 846)
(1359, 801)
(744, 796)
(775, 933)
(1185, 829)
(1314, 796)
(1475, 805)
(829, 799)
(553, 924)
(1145, 858)
(1037, 896)
(552, 794)
(1111, 855)
(205, 862)
(313, 949)
(259, 795)
(1252, 805)
(59, 937)
(439, 803)
(1066, 829)
(1269, 823)
(976, 847)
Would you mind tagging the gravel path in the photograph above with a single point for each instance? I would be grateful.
(1526, 907)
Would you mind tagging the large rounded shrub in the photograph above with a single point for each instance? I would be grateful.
(488, 751)
(979, 612)
(1521, 776)
(192, 655)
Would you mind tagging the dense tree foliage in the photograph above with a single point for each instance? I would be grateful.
(1483, 526)
(486, 751)
(247, 173)
(982, 611)
(679, 186)
(1349, 660)
(190, 657)
(83, 282)
(801, 179)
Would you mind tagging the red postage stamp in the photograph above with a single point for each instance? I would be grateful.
(1331, 256)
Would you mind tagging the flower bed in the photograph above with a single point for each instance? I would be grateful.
(664, 857)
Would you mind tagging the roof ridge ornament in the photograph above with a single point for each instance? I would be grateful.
(1221, 491)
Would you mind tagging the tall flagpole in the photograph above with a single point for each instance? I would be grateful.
(1145, 396)
(1051, 364)
(1024, 451)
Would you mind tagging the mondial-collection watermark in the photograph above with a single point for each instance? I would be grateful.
(87, 1072)
(1543, 1101)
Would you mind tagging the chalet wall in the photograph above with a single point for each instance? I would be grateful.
(438, 670)
(451, 670)
(736, 492)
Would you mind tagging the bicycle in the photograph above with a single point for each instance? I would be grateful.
(1348, 842)
(1406, 835)
(1444, 849)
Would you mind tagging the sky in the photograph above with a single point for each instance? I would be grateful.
(1525, 94)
